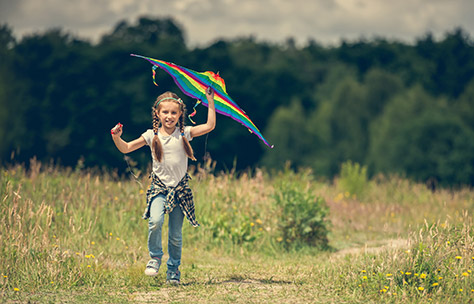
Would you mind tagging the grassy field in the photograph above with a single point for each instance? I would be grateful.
(75, 236)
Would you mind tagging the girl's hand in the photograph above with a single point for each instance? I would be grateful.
(210, 93)
(117, 130)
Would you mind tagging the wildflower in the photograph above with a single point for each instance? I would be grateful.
(440, 278)
(110, 233)
(423, 275)
(89, 266)
(416, 274)
(118, 239)
(364, 278)
(383, 290)
(279, 239)
(401, 272)
(386, 287)
(252, 224)
(52, 282)
(389, 274)
(363, 271)
(408, 273)
(92, 243)
(435, 284)
(16, 289)
(87, 256)
(448, 242)
(5, 276)
(115, 198)
(472, 290)
(339, 197)
(460, 289)
(259, 221)
(421, 288)
(141, 191)
(465, 274)
(458, 257)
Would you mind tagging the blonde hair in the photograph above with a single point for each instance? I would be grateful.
(156, 146)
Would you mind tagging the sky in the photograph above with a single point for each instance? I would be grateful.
(205, 21)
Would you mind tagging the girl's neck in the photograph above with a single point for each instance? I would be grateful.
(167, 131)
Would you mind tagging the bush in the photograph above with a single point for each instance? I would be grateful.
(302, 220)
(353, 178)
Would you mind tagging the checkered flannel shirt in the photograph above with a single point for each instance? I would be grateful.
(180, 195)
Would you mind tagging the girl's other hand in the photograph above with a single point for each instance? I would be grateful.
(117, 130)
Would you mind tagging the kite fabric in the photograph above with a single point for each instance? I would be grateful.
(194, 84)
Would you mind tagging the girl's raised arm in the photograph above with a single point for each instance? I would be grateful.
(123, 146)
(211, 117)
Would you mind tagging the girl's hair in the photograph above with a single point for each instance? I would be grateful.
(156, 143)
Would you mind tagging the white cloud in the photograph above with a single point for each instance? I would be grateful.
(326, 21)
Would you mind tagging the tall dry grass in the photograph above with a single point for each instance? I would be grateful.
(65, 229)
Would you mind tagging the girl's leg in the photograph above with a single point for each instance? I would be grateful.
(155, 223)
(175, 240)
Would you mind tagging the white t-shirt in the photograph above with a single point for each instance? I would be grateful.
(174, 164)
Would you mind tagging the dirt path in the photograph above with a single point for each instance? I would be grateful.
(374, 247)
(252, 287)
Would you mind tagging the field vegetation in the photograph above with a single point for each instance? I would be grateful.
(77, 236)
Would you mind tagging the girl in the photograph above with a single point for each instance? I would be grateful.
(169, 192)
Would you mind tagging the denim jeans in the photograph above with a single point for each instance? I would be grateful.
(175, 235)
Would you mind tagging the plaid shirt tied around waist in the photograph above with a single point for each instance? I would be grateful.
(180, 195)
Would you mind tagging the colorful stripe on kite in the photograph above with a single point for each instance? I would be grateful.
(194, 84)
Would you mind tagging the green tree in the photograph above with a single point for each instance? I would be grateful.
(422, 137)
(288, 131)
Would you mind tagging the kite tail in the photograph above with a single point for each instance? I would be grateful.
(154, 73)
(194, 111)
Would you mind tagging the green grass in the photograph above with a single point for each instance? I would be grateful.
(78, 237)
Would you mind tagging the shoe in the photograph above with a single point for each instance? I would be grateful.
(172, 277)
(152, 267)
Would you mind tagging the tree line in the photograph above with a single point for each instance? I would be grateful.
(394, 107)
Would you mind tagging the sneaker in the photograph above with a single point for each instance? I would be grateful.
(152, 267)
(172, 277)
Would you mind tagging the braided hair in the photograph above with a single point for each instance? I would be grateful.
(157, 148)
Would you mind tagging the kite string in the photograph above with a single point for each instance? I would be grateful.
(131, 171)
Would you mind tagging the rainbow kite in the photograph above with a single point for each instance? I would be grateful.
(194, 85)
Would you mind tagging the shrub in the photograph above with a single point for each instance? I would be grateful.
(302, 219)
(353, 178)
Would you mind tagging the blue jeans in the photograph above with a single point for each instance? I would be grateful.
(175, 235)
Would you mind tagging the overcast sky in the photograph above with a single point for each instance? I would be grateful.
(204, 21)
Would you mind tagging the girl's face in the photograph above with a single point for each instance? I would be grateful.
(169, 113)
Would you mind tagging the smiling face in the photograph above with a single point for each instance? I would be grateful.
(169, 113)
